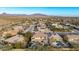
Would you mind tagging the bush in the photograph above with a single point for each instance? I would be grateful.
(18, 45)
(27, 37)
(7, 47)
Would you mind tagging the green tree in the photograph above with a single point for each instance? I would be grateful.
(17, 45)
(27, 37)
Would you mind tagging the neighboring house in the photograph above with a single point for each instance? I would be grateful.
(56, 36)
(20, 28)
(11, 32)
(40, 37)
(56, 40)
(14, 39)
(43, 28)
(73, 38)
(56, 25)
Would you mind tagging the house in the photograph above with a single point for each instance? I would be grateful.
(20, 28)
(14, 39)
(11, 32)
(56, 40)
(43, 28)
(72, 38)
(40, 37)
(56, 36)
(57, 25)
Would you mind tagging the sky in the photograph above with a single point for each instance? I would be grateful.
(57, 11)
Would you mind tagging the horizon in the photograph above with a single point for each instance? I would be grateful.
(55, 11)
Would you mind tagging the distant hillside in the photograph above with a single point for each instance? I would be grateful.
(6, 14)
(37, 14)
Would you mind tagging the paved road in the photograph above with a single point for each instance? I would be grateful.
(30, 29)
(65, 33)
